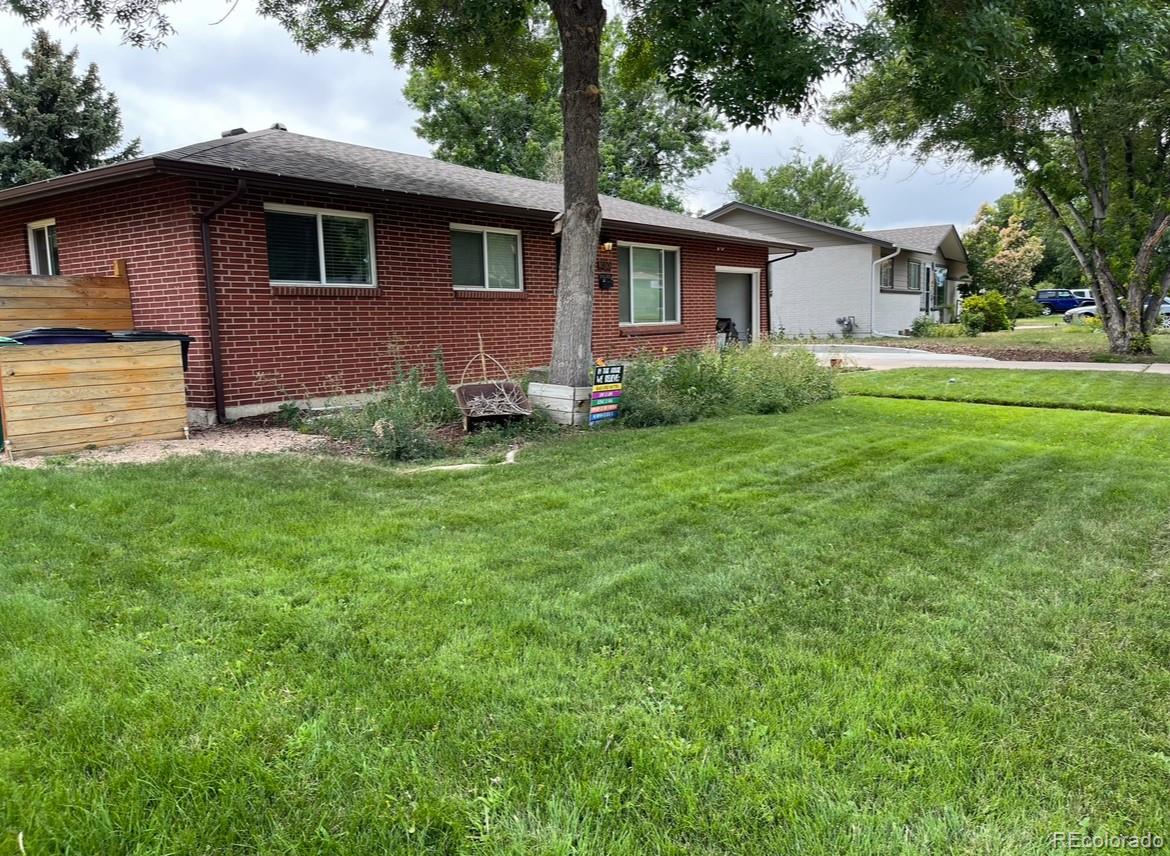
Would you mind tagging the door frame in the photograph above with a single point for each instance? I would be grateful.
(754, 273)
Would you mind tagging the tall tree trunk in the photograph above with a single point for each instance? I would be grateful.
(580, 23)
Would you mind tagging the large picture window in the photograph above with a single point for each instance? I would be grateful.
(308, 246)
(649, 292)
(42, 248)
(486, 258)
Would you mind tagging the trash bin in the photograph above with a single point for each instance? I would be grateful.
(155, 336)
(61, 336)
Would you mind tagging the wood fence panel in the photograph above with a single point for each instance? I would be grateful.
(61, 398)
(65, 301)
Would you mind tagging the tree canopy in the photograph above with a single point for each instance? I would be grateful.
(747, 60)
(56, 119)
(651, 142)
(1069, 96)
(818, 189)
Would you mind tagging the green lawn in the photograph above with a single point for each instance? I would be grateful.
(1071, 340)
(873, 627)
(1116, 392)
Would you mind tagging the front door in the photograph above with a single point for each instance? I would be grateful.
(733, 302)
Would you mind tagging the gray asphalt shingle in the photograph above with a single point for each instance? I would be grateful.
(282, 153)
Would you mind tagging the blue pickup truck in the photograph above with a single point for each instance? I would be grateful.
(1054, 301)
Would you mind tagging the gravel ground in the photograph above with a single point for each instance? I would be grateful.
(227, 440)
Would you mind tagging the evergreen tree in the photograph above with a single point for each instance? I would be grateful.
(56, 121)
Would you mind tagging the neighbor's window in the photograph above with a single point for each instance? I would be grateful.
(887, 274)
(649, 292)
(309, 246)
(486, 258)
(42, 248)
(914, 276)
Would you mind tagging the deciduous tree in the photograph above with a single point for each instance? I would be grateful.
(651, 143)
(1071, 96)
(748, 60)
(818, 189)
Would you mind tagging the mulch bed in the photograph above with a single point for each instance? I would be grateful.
(1023, 354)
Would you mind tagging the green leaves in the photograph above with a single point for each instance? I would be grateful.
(651, 143)
(819, 190)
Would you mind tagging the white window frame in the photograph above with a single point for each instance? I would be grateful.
(910, 265)
(318, 213)
(484, 231)
(32, 229)
(662, 248)
(887, 265)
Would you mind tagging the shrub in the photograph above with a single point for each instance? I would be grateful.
(1024, 305)
(695, 384)
(974, 322)
(948, 331)
(922, 327)
(399, 424)
(993, 308)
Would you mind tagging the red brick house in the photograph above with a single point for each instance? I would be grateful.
(305, 266)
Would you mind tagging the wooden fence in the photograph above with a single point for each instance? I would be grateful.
(65, 301)
(61, 398)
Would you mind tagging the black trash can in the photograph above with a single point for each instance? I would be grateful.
(155, 336)
(62, 336)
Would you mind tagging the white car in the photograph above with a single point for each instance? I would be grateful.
(1090, 311)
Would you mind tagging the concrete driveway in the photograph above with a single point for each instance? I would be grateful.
(879, 357)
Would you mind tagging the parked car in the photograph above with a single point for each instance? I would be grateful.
(1085, 295)
(1053, 300)
(1090, 311)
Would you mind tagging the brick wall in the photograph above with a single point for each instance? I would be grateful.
(286, 342)
(150, 223)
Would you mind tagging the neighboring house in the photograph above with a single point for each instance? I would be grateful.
(331, 263)
(864, 283)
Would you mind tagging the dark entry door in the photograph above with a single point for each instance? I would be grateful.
(733, 299)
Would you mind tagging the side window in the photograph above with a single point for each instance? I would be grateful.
(490, 259)
(42, 248)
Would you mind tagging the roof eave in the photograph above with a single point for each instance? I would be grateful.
(803, 222)
(79, 181)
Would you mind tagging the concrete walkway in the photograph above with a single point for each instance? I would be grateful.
(878, 357)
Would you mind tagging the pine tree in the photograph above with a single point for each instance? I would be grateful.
(55, 120)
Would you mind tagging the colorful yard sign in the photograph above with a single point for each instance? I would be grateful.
(607, 393)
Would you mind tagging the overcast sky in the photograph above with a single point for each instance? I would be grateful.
(246, 72)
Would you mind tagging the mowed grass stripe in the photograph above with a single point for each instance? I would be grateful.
(843, 630)
(1108, 392)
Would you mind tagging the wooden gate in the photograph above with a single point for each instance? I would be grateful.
(102, 302)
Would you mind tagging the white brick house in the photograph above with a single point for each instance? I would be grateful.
(864, 283)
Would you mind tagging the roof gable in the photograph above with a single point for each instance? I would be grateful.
(926, 239)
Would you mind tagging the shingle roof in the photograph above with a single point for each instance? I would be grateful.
(285, 154)
(920, 239)
(792, 219)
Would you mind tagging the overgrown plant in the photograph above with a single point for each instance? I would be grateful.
(399, 424)
(701, 383)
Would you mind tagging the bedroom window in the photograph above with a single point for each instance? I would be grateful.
(649, 292)
(887, 275)
(312, 246)
(42, 248)
(485, 258)
(914, 276)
